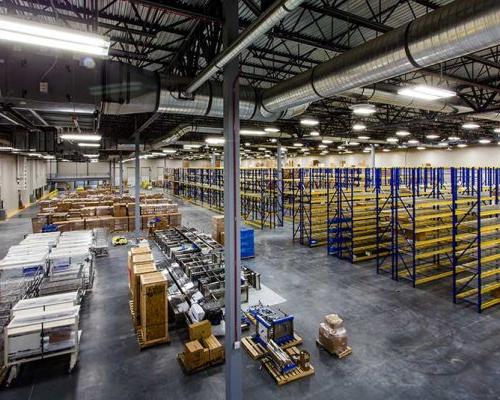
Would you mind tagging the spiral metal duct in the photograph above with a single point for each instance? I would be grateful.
(460, 28)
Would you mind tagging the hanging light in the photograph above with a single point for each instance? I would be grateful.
(425, 92)
(89, 144)
(484, 141)
(43, 35)
(309, 122)
(392, 140)
(214, 140)
(413, 141)
(432, 136)
(364, 137)
(363, 109)
(453, 138)
(169, 151)
(271, 130)
(314, 133)
(462, 145)
(403, 133)
(358, 127)
(470, 125)
(85, 137)
(252, 132)
(327, 141)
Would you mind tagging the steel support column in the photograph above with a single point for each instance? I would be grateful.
(137, 188)
(372, 161)
(232, 216)
(121, 175)
(279, 177)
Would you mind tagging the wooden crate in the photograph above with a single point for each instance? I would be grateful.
(137, 271)
(154, 308)
(134, 252)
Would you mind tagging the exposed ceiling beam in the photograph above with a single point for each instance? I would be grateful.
(308, 40)
(175, 7)
(348, 17)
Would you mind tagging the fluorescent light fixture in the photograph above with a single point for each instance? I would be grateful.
(271, 130)
(341, 147)
(169, 151)
(366, 151)
(421, 148)
(91, 155)
(5, 148)
(214, 140)
(424, 92)
(363, 109)
(496, 130)
(248, 144)
(314, 133)
(273, 140)
(386, 150)
(461, 145)
(81, 137)
(49, 157)
(303, 150)
(43, 35)
(453, 138)
(322, 146)
(252, 132)
(261, 149)
(413, 141)
(364, 137)
(432, 136)
(309, 122)
(353, 144)
(470, 125)
(191, 146)
(443, 144)
(402, 133)
(298, 145)
(158, 154)
(327, 141)
(358, 127)
(89, 145)
(484, 141)
(392, 140)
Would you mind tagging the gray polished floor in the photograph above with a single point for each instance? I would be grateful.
(407, 343)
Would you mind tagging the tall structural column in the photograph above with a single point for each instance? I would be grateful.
(137, 188)
(232, 217)
(279, 178)
(372, 161)
(121, 175)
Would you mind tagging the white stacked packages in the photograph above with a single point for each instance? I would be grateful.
(73, 248)
(54, 302)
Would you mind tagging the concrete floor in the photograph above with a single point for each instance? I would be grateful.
(407, 343)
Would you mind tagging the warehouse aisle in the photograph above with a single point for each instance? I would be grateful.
(407, 343)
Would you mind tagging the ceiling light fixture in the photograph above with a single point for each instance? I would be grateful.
(484, 141)
(214, 140)
(309, 122)
(413, 141)
(358, 127)
(496, 130)
(327, 141)
(169, 151)
(271, 130)
(392, 140)
(432, 136)
(91, 155)
(425, 92)
(453, 138)
(461, 145)
(470, 125)
(81, 137)
(363, 109)
(402, 133)
(35, 34)
(298, 145)
(364, 137)
(421, 148)
(252, 132)
(314, 133)
(89, 144)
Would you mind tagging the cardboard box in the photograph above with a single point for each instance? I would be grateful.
(195, 355)
(120, 224)
(175, 220)
(215, 348)
(102, 211)
(200, 330)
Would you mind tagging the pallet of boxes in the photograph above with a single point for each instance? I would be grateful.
(218, 228)
(203, 349)
(333, 336)
(148, 293)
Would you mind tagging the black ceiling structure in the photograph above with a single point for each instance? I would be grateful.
(180, 38)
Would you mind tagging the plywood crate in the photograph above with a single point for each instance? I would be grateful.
(154, 308)
(215, 348)
(121, 224)
(137, 272)
(133, 252)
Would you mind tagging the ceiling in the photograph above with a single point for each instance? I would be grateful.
(181, 37)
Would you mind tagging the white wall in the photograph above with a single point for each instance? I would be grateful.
(478, 156)
(12, 168)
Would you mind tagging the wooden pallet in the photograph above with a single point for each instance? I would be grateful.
(256, 350)
(294, 375)
(345, 353)
(188, 371)
(143, 344)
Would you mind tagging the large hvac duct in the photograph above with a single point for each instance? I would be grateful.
(270, 17)
(460, 28)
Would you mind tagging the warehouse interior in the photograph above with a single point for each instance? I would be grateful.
(249, 199)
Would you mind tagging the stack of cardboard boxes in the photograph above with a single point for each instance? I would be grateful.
(115, 213)
(148, 292)
(218, 228)
(203, 349)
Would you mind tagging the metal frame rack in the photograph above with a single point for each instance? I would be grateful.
(309, 198)
(260, 192)
(352, 221)
(476, 237)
